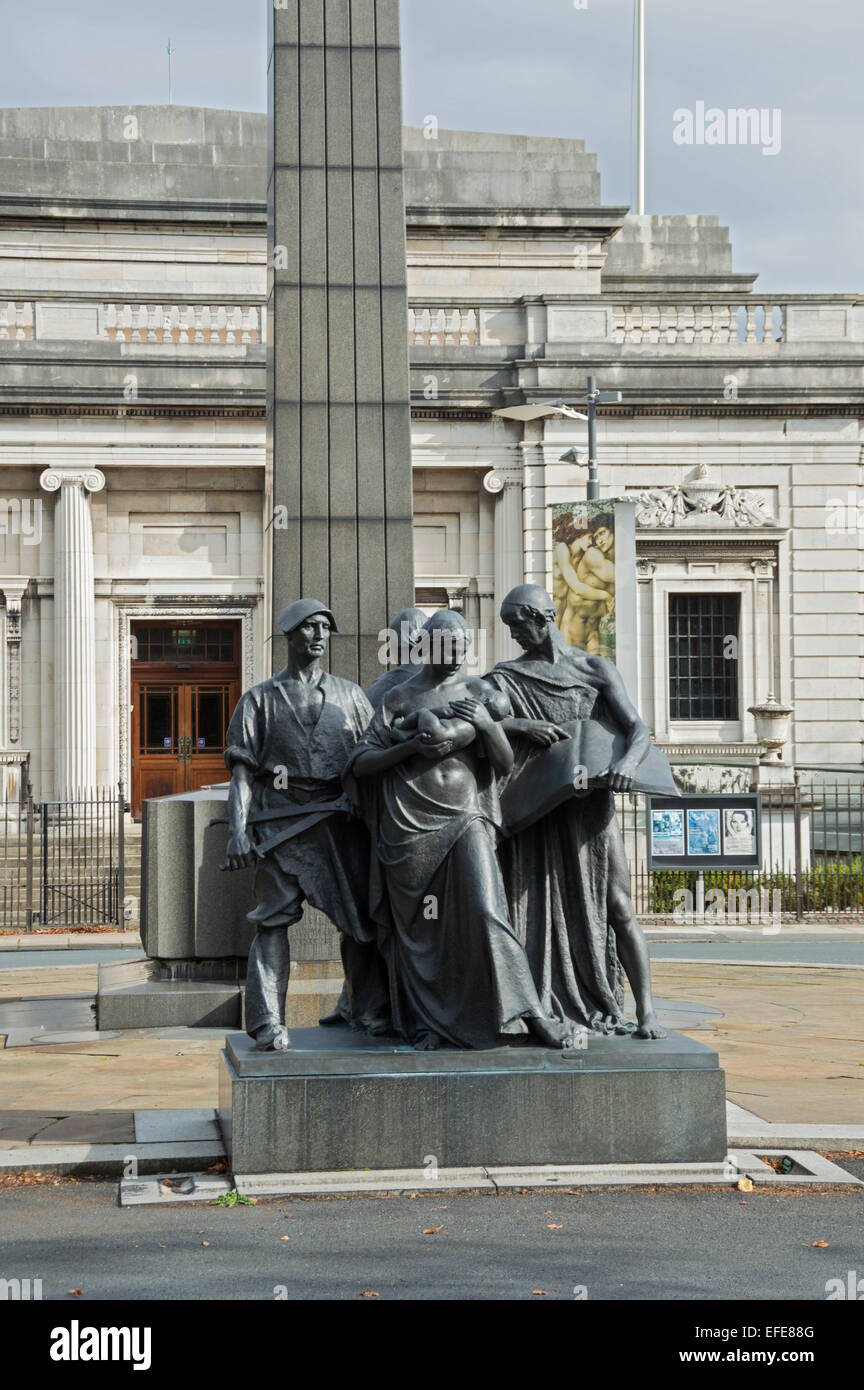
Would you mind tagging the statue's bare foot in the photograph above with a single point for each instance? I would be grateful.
(427, 1042)
(649, 1028)
(273, 1038)
(553, 1032)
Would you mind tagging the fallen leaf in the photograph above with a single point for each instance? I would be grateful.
(433, 1231)
(554, 1228)
(539, 1293)
(370, 1293)
(76, 1293)
(820, 1244)
(284, 1237)
(745, 1184)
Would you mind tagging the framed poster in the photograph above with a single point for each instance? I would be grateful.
(739, 831)
(594, 580)
(667, 834)
(705, 832)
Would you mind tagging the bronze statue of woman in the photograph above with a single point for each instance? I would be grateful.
(458, 973)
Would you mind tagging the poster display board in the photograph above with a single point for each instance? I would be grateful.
(705, 832)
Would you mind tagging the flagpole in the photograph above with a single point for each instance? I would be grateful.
(640, 133)
(171, 51)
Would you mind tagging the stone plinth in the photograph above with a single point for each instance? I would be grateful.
(342, 1101)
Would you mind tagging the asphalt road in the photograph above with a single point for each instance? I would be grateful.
(661, 1244)
(774, 950)
(777, 950)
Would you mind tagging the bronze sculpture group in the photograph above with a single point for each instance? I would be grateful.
(384, 810)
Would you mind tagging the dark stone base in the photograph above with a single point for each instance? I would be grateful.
(148, 994)
(341, 1101)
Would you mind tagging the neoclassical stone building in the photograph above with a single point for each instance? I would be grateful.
(132, 451)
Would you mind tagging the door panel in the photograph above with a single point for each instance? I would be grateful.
(156, 768)
(179, 736)
(210, 708)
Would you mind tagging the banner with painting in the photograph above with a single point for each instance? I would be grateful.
(594, 579)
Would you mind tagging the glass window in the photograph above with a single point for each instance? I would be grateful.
(183, 643)
(703, 656)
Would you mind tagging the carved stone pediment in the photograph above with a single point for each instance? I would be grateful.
(701, 502)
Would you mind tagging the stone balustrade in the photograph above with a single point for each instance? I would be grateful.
(209, 324)
(756, 321)
(17, 319)
(456, 327)
(752, 325)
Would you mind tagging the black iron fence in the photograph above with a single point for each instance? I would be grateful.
(62, 862)
(812, 856)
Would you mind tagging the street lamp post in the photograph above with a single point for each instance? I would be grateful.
(542, 410)
(595, 398)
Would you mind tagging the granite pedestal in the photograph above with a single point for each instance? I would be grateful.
(341, 1101)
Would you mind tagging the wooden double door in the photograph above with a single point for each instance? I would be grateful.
(180, 715)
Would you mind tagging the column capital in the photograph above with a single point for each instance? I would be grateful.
(763, 567)
(91, 479)
(500, 479)
(13, 590)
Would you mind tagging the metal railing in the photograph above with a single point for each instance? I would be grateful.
(812, 858)
(62, 862)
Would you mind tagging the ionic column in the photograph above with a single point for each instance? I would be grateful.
(74, 629)
(506, 485)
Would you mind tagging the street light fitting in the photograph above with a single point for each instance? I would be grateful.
(574, 456)
(540, 410)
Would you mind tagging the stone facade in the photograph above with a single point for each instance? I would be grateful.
(133, 328)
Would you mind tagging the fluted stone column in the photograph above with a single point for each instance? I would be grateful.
(506, 485)
(74, 629)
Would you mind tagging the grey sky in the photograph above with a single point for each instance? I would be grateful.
(542, 67)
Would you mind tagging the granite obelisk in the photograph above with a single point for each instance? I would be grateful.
(339, 444)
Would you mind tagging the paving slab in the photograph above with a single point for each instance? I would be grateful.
(101, 1127)
(22, 1126)
(166, 1126)
(107, 1158)
(790, 1040)
(835, 1137)
(41, 982)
